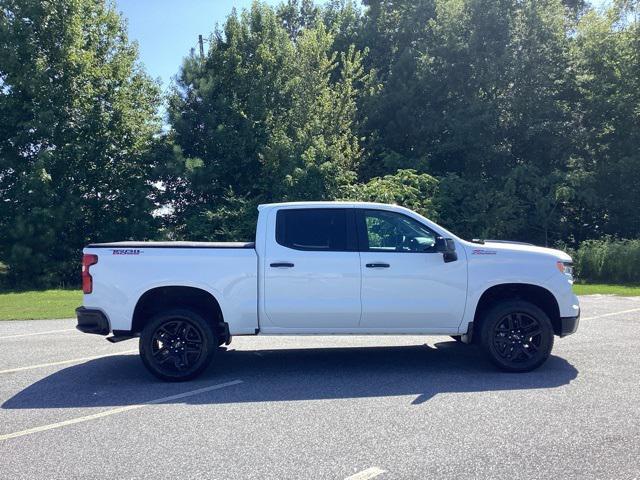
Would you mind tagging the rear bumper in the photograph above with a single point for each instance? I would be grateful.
(92, 321)
(569, 325)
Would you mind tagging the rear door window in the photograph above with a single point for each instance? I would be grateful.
(316, 229)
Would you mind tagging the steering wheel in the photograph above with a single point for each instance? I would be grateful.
(407, 244)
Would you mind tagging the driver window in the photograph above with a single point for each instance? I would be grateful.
(394, 232)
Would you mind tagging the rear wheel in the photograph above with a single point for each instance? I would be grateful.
(177, 345)
(517, 336)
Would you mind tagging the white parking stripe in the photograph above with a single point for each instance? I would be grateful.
(612, 314)
(366, 474)
(63, 362)
(38, 333)
(113, 411)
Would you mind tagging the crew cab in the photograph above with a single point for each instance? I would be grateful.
(328, 268)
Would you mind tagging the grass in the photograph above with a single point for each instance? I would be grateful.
(39, 305)
(606, 289)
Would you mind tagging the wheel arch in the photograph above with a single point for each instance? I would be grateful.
(160, 298)
(535, 294)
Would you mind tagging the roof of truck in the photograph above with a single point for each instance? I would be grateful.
(325, 204)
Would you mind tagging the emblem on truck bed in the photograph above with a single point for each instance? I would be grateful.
(126, 251)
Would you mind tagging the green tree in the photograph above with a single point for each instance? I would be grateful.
(477, 93)
(406, 187)
(77, 116)
(605, 175)
(266, 116)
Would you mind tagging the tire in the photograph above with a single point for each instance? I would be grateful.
(177, 345)
(517, 336)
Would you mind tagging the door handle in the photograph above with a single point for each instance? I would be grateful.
(282, 265)
(378, 265)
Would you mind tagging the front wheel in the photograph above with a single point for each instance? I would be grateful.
(177, 345)
(517, 336)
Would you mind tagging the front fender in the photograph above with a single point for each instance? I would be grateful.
(491, 266)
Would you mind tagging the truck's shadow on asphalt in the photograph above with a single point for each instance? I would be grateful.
(418, 371)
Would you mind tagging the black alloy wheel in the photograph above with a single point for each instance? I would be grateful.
(177, 345)
(517, 336)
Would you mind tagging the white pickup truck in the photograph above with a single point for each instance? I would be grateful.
(328, 268)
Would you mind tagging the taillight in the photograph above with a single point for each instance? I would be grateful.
(87, 281)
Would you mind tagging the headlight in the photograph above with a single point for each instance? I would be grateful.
(565, 267)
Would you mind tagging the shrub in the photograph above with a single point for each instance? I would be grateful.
(608, 260)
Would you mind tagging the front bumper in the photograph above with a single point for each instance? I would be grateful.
(92, 321)
(569, 325)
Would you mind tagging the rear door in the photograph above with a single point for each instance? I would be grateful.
(406, 284)
(312, 270)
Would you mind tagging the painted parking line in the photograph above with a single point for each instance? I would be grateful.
(366, 474)
(64, 362)
(38, 333)
(113, 411)
(612, 314)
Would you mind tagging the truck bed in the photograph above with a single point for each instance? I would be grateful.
(125, 271)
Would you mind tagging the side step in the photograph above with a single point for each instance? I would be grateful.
(120, 338)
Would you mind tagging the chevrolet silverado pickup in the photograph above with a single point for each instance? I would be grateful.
(328, 268)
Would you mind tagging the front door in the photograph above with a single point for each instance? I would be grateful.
(406, 284)
(312, 270)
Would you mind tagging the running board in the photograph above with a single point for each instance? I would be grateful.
(119, 338)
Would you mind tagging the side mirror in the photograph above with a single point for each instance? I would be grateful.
(447, 247)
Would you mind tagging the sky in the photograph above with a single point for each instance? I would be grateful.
(166, 29)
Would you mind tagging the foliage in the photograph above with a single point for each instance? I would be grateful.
(77, 115)
(608, 260)
(476, 94)
(406, 188)
(268, 115)
(606, 167)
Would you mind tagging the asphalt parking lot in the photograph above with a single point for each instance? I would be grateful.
(73, 405)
